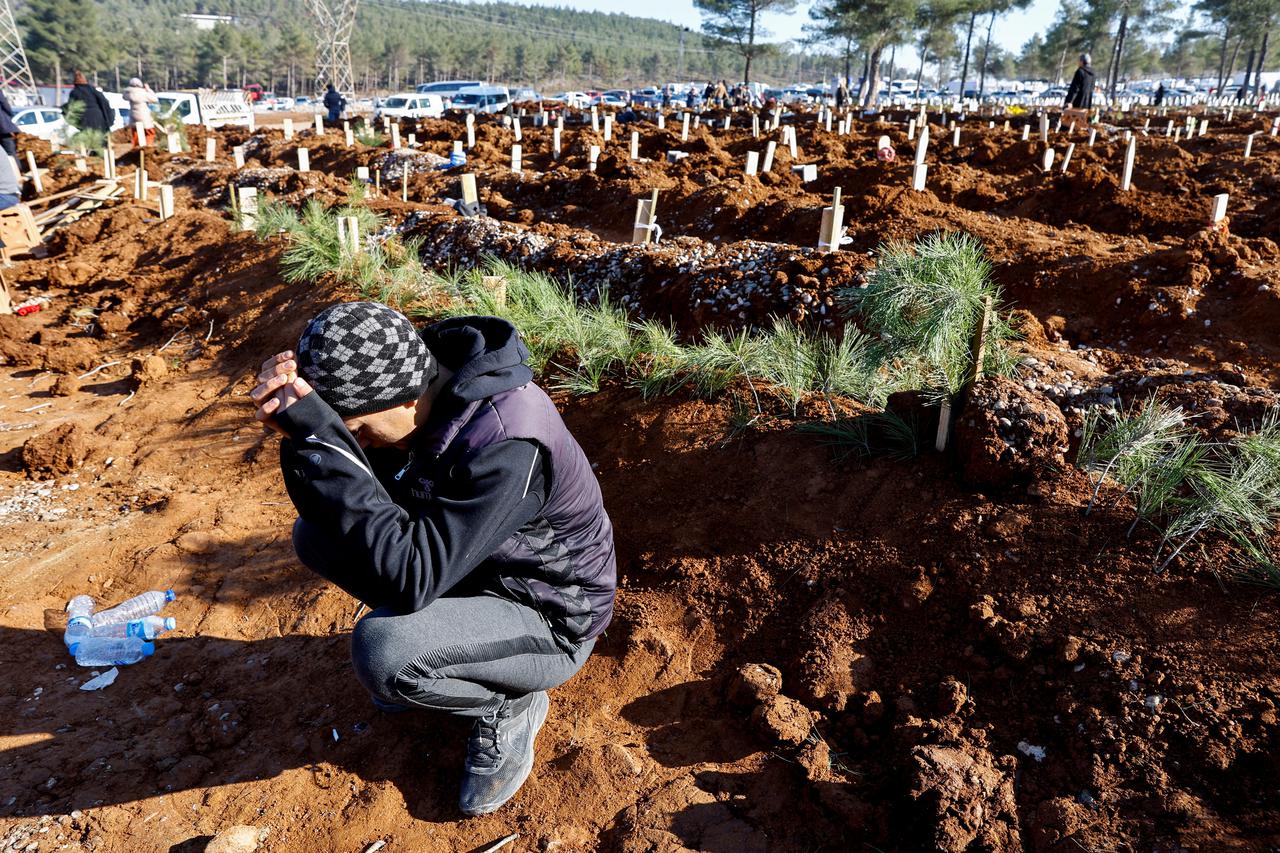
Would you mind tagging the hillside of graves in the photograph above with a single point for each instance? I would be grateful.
(829, 634)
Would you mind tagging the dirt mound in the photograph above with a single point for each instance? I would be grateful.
(1008, 435)
(966, 796)
(59, 451)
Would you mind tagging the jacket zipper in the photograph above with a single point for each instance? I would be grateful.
(402, 471)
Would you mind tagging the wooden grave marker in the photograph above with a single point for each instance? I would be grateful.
(1130, 152)
(769, 150)
(642, 232)
(593, 157)
(288, 129)
(237, 156)
(608, 127)
(248, 207)
(832, 224)
(173, 143)
(922, 147)
(471, 131)
(1218, 210)
(319, 125)
(634, 152)
(210, 149)
(555, 143)
(348, 138)
(469, 194)
(1046, 163)
(362, 173)
(1026, 132)
(1248, 144)
(395, 136)
(515, 157)
(140, 133)
(595, 120)
(1066, 158)
(1093, 135)
(684, 128)
(304, 160)
(515, 128)
(166, 202)
(753, 162)
(918, 176)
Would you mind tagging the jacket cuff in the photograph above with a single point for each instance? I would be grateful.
(306, 417)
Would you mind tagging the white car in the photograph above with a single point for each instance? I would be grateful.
(411, 105)
(44, 122)
(577, 100)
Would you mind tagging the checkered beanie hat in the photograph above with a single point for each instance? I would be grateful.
(363, 357)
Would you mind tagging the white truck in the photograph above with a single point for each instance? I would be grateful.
(207, 107)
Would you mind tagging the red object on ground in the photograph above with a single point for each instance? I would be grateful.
(31, 306)
(886, 155)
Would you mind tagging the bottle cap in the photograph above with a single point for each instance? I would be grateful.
(168, 595)
(148, 649)
(170, 623)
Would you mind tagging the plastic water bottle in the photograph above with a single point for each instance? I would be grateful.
(111, 651)
(79, 623)
(81, 605)
(147, 628)
(135, 608)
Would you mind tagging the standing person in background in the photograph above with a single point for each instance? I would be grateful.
(1080, 92)
(8, 130)
(140, 97)
(842, 95)
(97, 112)
(334, 103)
(1159, 95)
(708, 93)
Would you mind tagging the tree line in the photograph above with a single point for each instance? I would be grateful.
(398, 43)
(395, 45)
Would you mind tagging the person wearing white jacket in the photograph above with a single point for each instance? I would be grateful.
(140, 96)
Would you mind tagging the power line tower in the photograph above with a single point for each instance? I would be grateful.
(13, 59)
(335, 19)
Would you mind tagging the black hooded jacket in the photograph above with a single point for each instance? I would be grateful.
(97, 110)
(1080, 92)
(493, 494)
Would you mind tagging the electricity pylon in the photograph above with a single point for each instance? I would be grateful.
(334, 21)
(13, 59)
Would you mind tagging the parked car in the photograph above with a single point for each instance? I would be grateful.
(204, 107)
(411, 105)
(44, 122)
(520, 96)
(482, 99)
(608, 99)
(120, 108)
(578, 100)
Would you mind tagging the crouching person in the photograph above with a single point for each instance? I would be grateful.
(436, 482)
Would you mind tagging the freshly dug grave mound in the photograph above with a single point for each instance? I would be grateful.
(1009, 436)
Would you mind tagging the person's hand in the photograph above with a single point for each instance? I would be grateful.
(279, 387)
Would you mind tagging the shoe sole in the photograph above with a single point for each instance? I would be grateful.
(490, 808)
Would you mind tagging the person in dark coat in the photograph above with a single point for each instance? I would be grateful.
(8, 130)
(437, 483)
(334, 103)
(97, 112)
(1080, 92)
(1159, 95)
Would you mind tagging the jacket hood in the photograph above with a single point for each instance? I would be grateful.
(485, 354)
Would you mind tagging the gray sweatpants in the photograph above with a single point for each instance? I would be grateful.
(461, 655)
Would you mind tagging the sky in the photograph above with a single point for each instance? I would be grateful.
(1011, 31)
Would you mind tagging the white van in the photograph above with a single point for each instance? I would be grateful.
(448, 89)
(482, 99)
(215, 109)
(410, 105)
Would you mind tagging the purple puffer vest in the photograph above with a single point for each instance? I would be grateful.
(562, 562)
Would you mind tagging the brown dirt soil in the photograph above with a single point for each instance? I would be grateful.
(810, 652)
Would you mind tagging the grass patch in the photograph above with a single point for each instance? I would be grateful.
(1187, 486)
(365, 134)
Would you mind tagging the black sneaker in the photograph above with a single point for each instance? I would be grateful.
(500, 753)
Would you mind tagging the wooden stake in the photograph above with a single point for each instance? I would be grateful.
(404, 183)
(918, 176)
(555, 143)
(348, 138)
(1066, 158)
(769, 149)
(1127, 179)
(593, 156)
(496, 285)
(319, 125)
(635, 145)
(1047, 160)
(832, 225)
(34, 172)
(288, 129)
(210, 149)
(753, 162)
(237, 156)
(304, 160)
(515, 158)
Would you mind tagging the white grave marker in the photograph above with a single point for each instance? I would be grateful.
(1066, 158)
(771, 147)
(1127, 179)
(319, 125)
(166, 202)
(237, 156)
(753, 162)
(555, 143)
(918, 176)
(248, 207)
(304, 160)
(288, 129)
(515, 157)
(1047, 161)
(593, 157)
(1218, 212)
(635, 145)
(210, 149)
